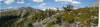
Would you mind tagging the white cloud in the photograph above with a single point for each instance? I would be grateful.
(72, 1)
(53, 8)
(76, 2)
(37, 0)
(21, 2)
(1, 0)
(64, 3)
(9, 1)
(64, 0)
(10, 7)
(41, 5)
(49, 8)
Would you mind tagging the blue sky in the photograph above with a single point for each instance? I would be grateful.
(41, 4)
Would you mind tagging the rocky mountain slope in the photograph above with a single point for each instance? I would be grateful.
(30, 17)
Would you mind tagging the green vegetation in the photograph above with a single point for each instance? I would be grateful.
(26, 17)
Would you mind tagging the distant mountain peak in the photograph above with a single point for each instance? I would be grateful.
(53, 9)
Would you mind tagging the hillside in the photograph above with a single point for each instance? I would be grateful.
(30, 17)
(10, 16)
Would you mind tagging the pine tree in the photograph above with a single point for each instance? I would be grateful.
(68, 8)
